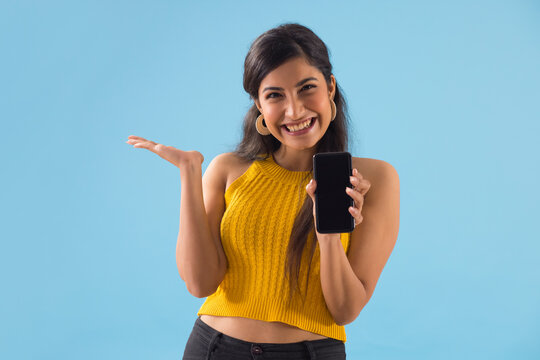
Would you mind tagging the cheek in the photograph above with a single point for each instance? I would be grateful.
(318, 102)
(272, 115)
(271, 118)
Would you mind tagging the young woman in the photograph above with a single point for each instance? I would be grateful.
(275, 287)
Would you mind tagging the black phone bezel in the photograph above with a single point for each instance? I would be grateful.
(350, 228)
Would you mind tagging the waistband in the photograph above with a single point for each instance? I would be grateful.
(210, 334)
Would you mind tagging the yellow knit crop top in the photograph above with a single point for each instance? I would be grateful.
(261, 206)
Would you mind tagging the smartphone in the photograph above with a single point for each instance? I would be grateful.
(332, 171)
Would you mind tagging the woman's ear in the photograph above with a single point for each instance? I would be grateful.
(258, 105)
(332, 86)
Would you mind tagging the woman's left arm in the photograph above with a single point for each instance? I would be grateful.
(348, 280)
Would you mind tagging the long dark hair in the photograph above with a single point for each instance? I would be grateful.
(267, 52)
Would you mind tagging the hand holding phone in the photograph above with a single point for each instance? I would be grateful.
(332, 171)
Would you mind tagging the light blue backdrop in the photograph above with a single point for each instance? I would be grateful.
(447, 92)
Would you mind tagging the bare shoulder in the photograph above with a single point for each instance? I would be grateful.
(231, 167)
(233, 162)
(374, 169)
(383, 179)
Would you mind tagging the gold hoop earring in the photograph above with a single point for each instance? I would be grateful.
(334, 111)
(261, 128)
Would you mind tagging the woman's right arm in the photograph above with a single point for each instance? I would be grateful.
(200, 256)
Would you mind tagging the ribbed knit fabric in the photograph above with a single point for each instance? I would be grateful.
(261, 206)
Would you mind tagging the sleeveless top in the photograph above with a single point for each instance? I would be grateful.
(261, 206)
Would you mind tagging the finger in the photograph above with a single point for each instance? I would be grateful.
(356, 215)
(140, 139)
(355, 194)
(362, 185)
(133, 141)
(357, 174)
(357, 177)
(143, 144)
(136, 137)
(354, 181)
(310, 187)
(147, 144)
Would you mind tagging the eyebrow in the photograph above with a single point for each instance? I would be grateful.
(300, 83)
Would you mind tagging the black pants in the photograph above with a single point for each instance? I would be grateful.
(206, 342)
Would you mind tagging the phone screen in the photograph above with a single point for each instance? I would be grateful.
(331, 171)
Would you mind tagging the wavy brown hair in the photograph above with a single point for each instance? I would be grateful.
(267, 52)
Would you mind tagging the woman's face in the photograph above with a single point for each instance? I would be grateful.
(291, 94)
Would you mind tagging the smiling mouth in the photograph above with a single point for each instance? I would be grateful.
(304, 126)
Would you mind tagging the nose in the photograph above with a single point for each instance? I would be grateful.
(295, 109)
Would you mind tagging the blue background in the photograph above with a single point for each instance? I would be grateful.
(447, 92)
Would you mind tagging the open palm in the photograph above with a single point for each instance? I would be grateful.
(173, 155)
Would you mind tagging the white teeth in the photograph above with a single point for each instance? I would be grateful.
(300, 127)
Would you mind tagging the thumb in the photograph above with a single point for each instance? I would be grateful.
(310, 188)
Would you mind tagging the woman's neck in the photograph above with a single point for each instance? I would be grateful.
(294, 160)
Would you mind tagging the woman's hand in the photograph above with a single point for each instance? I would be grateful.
(171, 154)
(359, 190)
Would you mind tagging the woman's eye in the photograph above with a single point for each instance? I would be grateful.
(278, 94)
